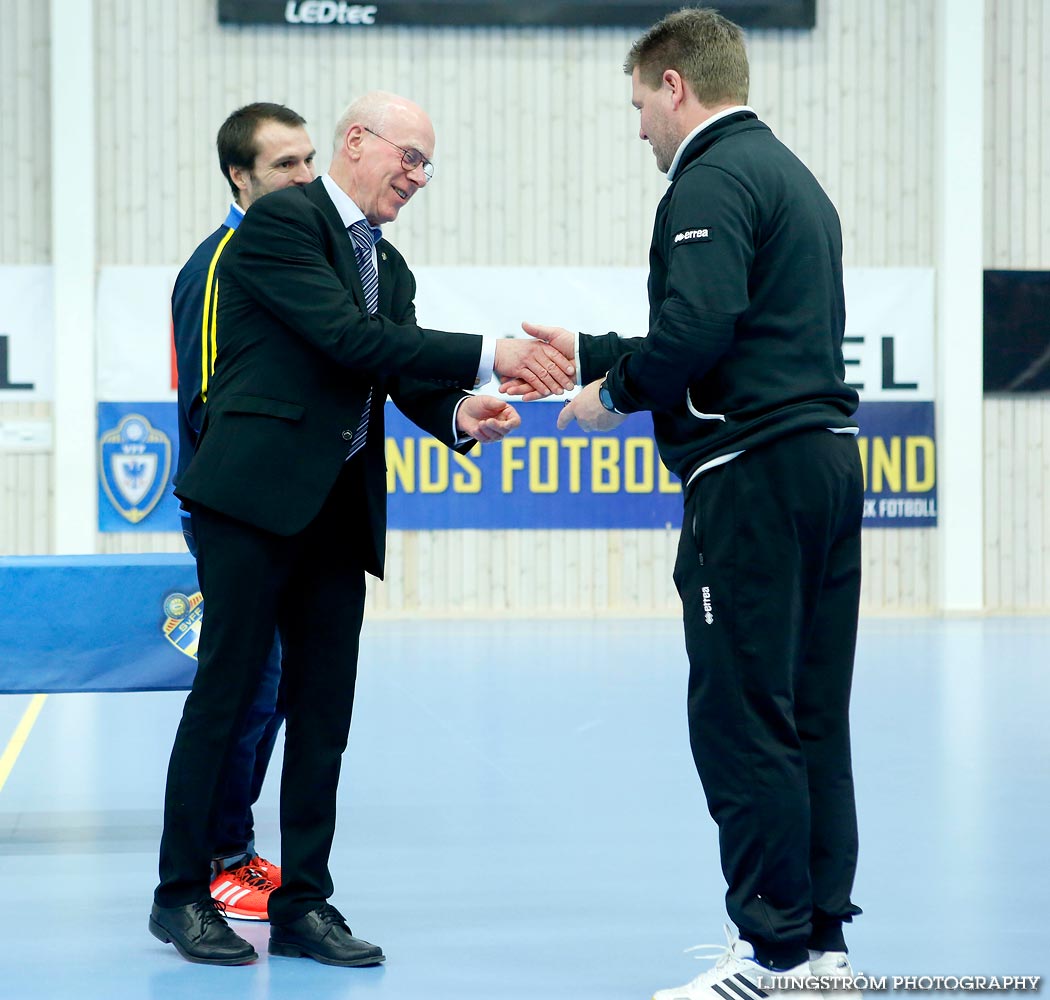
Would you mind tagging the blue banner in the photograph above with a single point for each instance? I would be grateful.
(98, 623)
(897, 448)
(538, 477)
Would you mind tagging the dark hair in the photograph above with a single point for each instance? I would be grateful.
(705, 48)
(236, 139)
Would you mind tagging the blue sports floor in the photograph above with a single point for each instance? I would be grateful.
(520, 820)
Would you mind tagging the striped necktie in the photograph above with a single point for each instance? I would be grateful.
(361, 234)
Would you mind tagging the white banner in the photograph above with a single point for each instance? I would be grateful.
(27, 333)
(889, 319)
(497, 299)
(135, 358)
(889, 333)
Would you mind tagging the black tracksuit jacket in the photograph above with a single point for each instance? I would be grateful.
(746, 310)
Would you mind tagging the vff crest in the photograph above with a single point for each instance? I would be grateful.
(134, 463)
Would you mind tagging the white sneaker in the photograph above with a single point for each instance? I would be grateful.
(830, 963)
(833, 965)
(735, 976)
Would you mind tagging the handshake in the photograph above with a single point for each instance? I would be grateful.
(534, 369)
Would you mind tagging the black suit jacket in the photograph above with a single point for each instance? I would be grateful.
(296, 354)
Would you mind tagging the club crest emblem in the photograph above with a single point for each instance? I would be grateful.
(182, 621)
(134, 462)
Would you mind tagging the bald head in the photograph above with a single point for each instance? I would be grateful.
(373, 138)
(373, 110)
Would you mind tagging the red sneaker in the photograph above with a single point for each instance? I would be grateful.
(244, 892)
(268, 868)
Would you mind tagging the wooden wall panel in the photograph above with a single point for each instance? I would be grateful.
(25, 238)
(540, 163)
(25, 486)
(1017, 516)
(1017, 237)
(1017, 137)
(25, 121)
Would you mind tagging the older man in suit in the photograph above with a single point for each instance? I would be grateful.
(287, 490)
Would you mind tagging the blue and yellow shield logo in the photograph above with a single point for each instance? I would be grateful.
(134, 463)
(182, 621)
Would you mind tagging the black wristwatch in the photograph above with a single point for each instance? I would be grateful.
(605, 397)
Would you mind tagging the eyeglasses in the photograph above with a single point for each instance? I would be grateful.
(410, 158)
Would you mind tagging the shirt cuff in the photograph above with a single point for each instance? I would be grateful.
(457, 438)
(488, 360)
(576, 354)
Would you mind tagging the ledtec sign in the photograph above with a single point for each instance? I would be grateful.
(564, 13)
(329, 12)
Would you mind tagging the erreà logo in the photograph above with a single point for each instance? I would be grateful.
(329, 12)
(692, 236)
(705, 596)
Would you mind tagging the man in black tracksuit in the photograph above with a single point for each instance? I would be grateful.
(742, 369)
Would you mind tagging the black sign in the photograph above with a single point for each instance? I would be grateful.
(513, 13)
(1016, 331)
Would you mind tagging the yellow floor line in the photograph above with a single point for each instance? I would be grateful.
(19, 737)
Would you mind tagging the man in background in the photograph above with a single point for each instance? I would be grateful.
(287, 493)
(262, 147)
(742, 370)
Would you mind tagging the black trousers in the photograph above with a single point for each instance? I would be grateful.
(311, 588)
(768, 570)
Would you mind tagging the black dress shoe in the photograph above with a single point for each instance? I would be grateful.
(200, 934)
(322, 934)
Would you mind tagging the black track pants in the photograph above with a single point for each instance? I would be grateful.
(768, 570)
